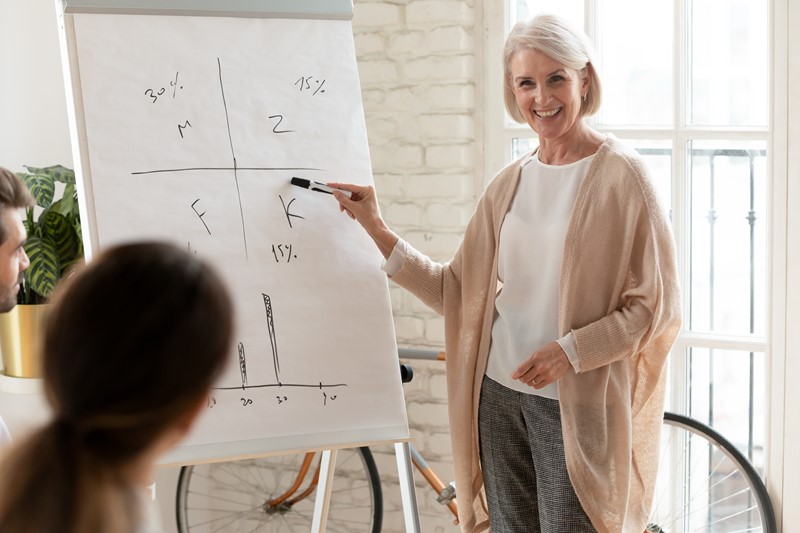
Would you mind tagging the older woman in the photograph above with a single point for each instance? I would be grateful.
(560, 308)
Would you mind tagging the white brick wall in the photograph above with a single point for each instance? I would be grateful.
(417, 64)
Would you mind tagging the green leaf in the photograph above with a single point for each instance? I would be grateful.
(45, 269)
(62, 234)
(55, 173)
(42, 187)
(68, 205)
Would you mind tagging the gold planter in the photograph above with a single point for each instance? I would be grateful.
(21, 330)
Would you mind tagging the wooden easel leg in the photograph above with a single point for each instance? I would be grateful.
(408, 492)
(322, 503)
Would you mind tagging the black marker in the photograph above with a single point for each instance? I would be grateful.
(317, 186)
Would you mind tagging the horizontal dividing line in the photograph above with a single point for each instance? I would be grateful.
(280, 385)
(163, 170)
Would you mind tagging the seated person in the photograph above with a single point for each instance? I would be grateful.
(131, 349)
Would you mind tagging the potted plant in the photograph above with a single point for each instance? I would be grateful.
(54, 245)
(54, 242)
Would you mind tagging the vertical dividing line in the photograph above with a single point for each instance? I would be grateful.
(233, 156)
(273, 341)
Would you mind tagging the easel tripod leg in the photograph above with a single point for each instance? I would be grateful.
(322, 503)
(405, 471)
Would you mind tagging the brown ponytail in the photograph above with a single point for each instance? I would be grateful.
(132, 345)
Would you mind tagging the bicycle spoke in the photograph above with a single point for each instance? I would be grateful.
(228, 497)
(705, 484)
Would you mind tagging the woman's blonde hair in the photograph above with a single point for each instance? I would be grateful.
(557, 39)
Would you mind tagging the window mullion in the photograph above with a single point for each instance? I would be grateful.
(680, 200)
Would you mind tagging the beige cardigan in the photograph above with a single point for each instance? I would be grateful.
(618, 295)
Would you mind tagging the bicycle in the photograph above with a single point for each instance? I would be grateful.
(704, 484)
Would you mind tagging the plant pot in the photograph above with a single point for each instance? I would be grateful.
(21, 331)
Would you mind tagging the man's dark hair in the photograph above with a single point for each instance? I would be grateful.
(13, 195)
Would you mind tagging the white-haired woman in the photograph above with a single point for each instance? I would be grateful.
(560, 307)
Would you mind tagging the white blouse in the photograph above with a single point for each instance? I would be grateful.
(529, 269)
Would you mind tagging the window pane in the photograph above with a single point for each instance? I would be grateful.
(728, 237)
(571, 10)
(729, 63)
(726, 391)
(636, 63)
(522, 145)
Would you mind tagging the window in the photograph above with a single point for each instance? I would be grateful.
(686, 83)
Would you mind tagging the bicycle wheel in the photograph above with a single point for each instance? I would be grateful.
(235, 496)
(705, 484)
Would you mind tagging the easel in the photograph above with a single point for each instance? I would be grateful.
(405, 470)
(90, 26)
(402, 451)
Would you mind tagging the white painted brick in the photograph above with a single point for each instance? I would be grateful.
(449, 39)
(417, 438)
(375, 14)
(406, 99)
(434, 68)
(377, 71)
(448, 215)
(398, 295)
(407, 327)
(372, 43)
(372, 98)
(450, 156)
(438, 384)
(408, 128)
(419, 308)
(430, 12)
(381, 127)
(439, 444)
(397, 157)
(388, 185)
(450, 96)
(409, 338)
(439, 186)
(434, 328)
(407, 43)
(457, 127)
(435, 244)
(403, 214)
(427, 414)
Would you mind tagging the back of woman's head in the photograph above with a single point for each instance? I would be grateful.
(560, 41)
(134, 341)
(132, 346)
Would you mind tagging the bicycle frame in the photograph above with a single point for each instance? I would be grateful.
(276, 503)
(445, 493)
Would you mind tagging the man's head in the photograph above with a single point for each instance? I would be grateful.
(14, 195)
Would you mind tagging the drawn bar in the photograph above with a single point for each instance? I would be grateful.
(272, 340)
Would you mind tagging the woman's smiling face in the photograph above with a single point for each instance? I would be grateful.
(547, 93)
